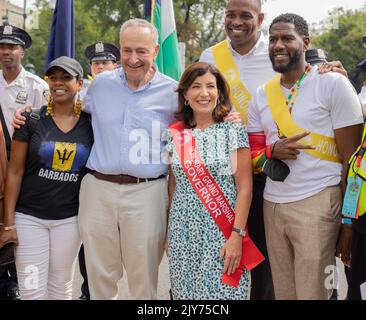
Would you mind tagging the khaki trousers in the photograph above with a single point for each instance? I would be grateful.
(301, 238)
(123, 226)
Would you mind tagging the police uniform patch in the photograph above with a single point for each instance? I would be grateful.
(21, 97)
(99, 47)
(8, 30)
(45, 93)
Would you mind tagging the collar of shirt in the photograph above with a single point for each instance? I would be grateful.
(125, 83)
(259, 45)
(19, 80)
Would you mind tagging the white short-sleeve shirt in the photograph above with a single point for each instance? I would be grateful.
(255, 67)
(26, 90)
(362, 97)
(324, 103)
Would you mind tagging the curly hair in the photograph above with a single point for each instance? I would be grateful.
(301, 26)
(195, 70)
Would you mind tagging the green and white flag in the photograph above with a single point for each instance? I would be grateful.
(161, 14)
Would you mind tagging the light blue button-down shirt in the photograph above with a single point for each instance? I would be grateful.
(128, 125)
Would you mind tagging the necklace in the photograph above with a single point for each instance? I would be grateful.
(294, 91)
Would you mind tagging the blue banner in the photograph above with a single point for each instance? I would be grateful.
(62, 37)
(147, 7)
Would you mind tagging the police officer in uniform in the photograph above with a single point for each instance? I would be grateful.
(315, 56)
(18, 88)
(102, 57)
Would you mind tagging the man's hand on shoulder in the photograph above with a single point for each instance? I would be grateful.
(234, 117)
(18, 119)
(332, 66)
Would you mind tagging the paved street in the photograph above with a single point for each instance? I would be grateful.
(164, 285)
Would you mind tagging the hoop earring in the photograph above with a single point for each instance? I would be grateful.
(218, 102)
(50, 107)
(78, 106)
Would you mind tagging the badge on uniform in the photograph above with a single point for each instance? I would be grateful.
(21, 97)
(351, 198)
(45, 93)
(8, 30)
(99, 47)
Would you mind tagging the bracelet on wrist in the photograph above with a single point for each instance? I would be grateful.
(346, 221)
(8, 228)
(241, 232)
(272, 149)
(268, 152)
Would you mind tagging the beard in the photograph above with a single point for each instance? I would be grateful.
(291, 65)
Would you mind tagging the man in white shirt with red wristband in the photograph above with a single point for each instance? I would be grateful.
(302, 214)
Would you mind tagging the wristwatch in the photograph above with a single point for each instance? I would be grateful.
(241, 232)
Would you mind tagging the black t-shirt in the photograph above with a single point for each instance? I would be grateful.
(54, 168)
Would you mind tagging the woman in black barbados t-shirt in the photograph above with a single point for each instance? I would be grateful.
(47, 164)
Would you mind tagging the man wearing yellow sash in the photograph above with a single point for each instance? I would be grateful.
(243, 59)
(314, 131)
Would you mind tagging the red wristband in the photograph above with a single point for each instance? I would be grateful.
(268, 152)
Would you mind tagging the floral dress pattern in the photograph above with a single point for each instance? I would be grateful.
(194, 240)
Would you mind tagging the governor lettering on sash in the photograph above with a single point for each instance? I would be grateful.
(213, 199)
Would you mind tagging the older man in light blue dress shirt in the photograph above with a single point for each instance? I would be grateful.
(123, 200)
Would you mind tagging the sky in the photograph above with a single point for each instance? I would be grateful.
(312, 10)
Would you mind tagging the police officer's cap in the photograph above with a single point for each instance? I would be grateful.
(102, 52)
(14, 35)
(362, 65)
(68, 64)
(315, 56)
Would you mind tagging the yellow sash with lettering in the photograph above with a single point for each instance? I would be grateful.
(326, 147)
(239, 95)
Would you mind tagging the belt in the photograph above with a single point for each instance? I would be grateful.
(121, 178)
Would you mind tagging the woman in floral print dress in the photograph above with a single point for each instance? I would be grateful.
(198, 252)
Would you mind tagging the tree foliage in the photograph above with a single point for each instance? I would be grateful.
(343, 40)
(199, 25)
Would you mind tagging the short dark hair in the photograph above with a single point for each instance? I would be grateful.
(301, 26)
(195, 70)
(258, 3)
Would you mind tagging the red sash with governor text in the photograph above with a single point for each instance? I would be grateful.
(213, 199)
